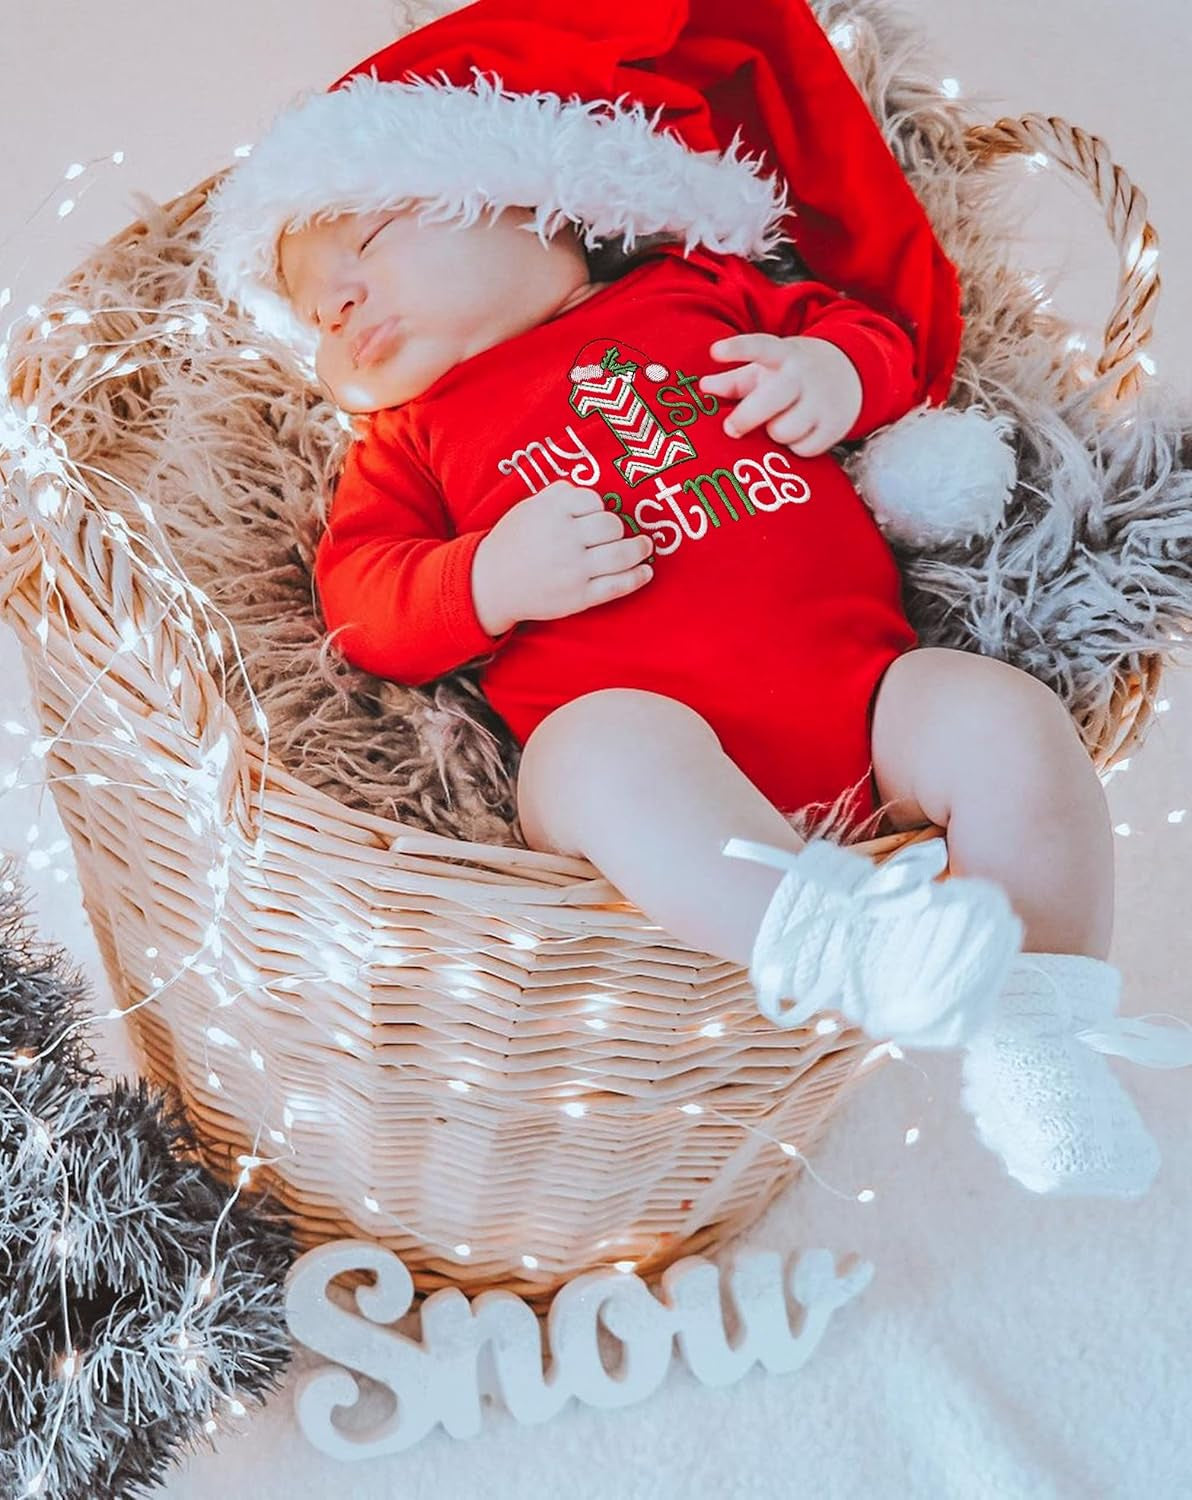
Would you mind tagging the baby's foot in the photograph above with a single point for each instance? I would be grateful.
(1043, 1100)
(907, 958)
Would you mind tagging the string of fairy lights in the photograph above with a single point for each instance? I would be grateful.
(33, 450)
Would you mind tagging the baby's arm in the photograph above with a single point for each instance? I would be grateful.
(394, 586)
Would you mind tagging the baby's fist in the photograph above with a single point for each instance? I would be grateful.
(806, 390)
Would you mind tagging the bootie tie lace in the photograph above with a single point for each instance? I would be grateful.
(1041, 1093)
(906, 958)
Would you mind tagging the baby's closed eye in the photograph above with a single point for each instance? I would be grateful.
(368, 241)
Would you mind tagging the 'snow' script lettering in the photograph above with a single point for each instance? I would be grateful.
(438, 1379)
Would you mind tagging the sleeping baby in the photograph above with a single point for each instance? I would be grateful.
(619, 498)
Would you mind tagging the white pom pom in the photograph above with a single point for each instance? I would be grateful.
(938, 475)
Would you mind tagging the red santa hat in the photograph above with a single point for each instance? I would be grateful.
(626, 117)
(718, 123)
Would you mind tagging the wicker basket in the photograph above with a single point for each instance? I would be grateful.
(481, 1056)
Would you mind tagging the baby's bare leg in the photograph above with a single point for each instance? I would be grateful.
(990, 754)
(638, 784)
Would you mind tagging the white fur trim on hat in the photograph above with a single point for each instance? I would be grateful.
(372, 145)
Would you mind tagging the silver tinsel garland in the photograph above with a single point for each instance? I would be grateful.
(138, 1305)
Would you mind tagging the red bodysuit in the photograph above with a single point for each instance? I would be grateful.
(775, 605)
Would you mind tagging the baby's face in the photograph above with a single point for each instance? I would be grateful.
(440, 292)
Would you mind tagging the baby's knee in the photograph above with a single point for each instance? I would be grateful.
(573, 759)
(1014, 713)
(951, 724)
(974, 695)
(1002, 720)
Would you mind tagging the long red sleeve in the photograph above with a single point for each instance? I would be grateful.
(393, 580)
(881, 352)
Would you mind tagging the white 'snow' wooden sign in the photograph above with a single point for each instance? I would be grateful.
(441, 1376)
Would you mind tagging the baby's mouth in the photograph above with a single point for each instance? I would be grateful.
(375, 343)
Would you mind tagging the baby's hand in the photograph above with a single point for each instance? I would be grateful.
(805, 389)
(556, 553)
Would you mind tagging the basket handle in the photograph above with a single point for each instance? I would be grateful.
(1088, 158)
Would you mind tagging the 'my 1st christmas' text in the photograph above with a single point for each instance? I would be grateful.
(678, 510)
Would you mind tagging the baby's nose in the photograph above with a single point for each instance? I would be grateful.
(336, 323)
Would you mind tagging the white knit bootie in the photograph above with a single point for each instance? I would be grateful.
(1043, 1098)
(905, 957)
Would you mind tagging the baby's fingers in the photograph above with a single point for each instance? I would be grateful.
(765, 348)
(732, 384)
(776, 393)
